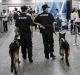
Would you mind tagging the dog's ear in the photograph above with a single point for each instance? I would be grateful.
(59, 33)
(19, 41)
(65, 33)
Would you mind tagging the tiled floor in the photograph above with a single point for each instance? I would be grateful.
(40, 66)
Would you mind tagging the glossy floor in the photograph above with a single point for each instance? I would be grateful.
(40, 66)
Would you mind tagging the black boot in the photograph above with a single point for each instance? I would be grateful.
(46, 56)
(52, 55)
(24, 57)
(30, 60)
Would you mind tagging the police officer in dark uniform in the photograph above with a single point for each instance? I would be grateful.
(46, 19)
(24, 27)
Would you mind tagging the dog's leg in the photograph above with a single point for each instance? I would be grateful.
(18, 56)
(61, 53)
(15, 71)
(11, 65)
(66, 58)
(12, 61)
(19, 61)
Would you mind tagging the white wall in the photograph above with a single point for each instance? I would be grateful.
(6, 6)
(0, 8)
(75, 4)
(79, 4)
(7, 3)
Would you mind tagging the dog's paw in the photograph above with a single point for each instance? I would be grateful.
(62, 58)
(15, 72)
(11, 70)
(68, 64)
(19, 62)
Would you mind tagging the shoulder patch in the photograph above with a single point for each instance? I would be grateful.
(44, 15)
(22, 17)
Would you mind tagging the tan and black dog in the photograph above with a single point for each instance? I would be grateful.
(14, 54)
(64, 47)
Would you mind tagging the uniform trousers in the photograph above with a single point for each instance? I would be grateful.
(48, 42)
(5, 26)
(26, 44)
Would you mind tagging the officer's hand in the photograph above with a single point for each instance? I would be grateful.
(55, 22)
(15, 30)
(55, 33)
(42, 27)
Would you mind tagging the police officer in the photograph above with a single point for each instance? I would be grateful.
(46, 19)
(24, 27)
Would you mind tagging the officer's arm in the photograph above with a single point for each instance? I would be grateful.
(37, 21)
(39, 25)
(52, 19)
(54, 28)
(31, 28)
(17, 25)
(16, 29)
(30, 23)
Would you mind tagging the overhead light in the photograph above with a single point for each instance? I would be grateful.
(0, 1)
(15, 1)
(33, 1)
(39, 1)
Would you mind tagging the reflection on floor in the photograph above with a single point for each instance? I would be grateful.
(40, 66)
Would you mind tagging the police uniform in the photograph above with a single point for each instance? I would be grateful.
(23, 22)
(46, 20)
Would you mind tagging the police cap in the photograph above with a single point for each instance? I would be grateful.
(45, 6)
(24, 8)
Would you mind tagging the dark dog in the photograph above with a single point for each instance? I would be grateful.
(64, 47)
(14, 54)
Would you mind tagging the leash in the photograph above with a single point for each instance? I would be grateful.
(16, 35)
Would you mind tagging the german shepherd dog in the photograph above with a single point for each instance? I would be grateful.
(14, 53)
(64, 47)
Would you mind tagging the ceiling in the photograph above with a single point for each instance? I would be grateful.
(26, 1)
(11, 0)
(17, 1)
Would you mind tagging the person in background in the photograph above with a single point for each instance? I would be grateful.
(46, 19)
(77, 21)
(58, 15)
(19, 12)
(10, 17)
(74, 16)
(5, 19)
(58, 19)
(15, 15)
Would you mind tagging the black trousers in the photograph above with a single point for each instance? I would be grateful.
(5, 26)
(48, 42)
(78, 27)
(26, 44)
(72, 26)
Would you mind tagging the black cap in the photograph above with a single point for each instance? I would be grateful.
(15, 9)
(23, 8)
(45, 6)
